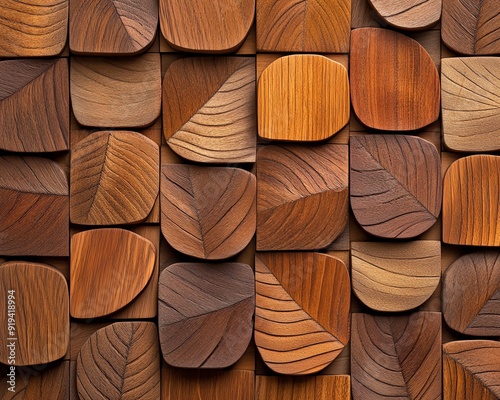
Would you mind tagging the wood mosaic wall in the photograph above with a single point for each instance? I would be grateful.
(249, 200)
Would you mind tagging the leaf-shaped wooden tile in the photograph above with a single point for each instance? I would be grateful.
(297, 333)
(120, 361)
(471, 294)
(302, 197)
(408, 14)
(106, 27)
(302, 97)
(109, 268)
(35, 297)
(470, 100)
(312, 26)
(471, 26)
(471, 201)
(395, 184)
(33, 28)
(34, 105)
(115, 178)
(471, 370)
(396, 357)
(206, 26)
(394, 82)
(207, 212)
(395, 276)
(117, 92)
(34, 207)
(205, 313)
(319, 387)
(209, 109)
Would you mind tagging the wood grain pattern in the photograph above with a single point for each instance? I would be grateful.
(109, 268)
(471, 370)
(33, 28)
(408, 14)
(116, 92)
(294, 333)
(34, 207)
(107, 27)
(205, 313)
(120, 361)
(302, 197)
(312, 26)
(40, 298)
(394, 82)
(34, 105)
(206, 26)
(471, 201)
(332, 387)
(470, 101)
(395, 184)
(302, 98)
(207, 212)
(209, 109)
(471, 27)
(395, 276)
(471, 294)
(115, 178)
(396, 357)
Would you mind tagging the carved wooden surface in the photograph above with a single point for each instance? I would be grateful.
(471, 370)
(395, 276)
(395, 184)
(216, 26)
(34, 207)
(207, 212)
(120, 361)
(205, 313)
(117, 92)
(394, 82)
(408, 14)
(33, 28)
(112, 27)
(34, 105)
(471, 201)
(470, 96)
(471, 27)
(302, 198)
(115, 178)
(294, 333)
(40, 312)
(313, 26)
(332, 387)
(302, 98)
(109, 268)
(396, 357)
(209, 109)
(471, 294)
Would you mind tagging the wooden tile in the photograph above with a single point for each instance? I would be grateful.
(363, 16)
(116, 92)
(408, 15)
(302, 200)
(470, 93)
(209, 109)
(105, 27)
(34, 105)
(471, 201)
(394, 82)
(395, 184)
(294, 332)
(206, 26)
(33, 28)
(36, 316)
(302, 98)
(397, 357)
(34, 207)
(395, 276)
(80, 332)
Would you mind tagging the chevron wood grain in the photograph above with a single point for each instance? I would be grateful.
(408, 14)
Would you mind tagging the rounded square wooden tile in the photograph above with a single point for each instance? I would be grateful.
(410, 14)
